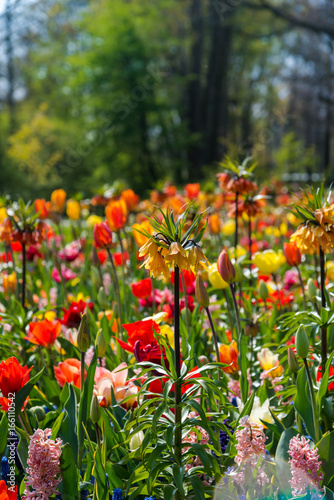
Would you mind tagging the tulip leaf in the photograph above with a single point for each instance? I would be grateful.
(324, 384)
(243, 363)
(282, 460)
(303, 402)
(3, 433)
(24, 392)
(69, 487)
(326, 451)
(68, 428)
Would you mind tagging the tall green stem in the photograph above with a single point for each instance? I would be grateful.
(314, 413)
(302, 286)
(123, 273)
(118, 298)
(236, 226)
(185, 302)
(323, 304)
(177, 362)
(24, 261)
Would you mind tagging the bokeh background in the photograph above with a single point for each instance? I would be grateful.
(137, 92)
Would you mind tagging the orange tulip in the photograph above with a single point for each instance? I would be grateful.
(43, 208)
(192, 190)
(102, 235)
(214, 224)
(292, 254)
(140, 238)
(68, 371)
(116, 213)
(229, 355)
(58, 199)
(131, 199)
(44, 333)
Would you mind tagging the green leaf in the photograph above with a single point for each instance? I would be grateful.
(68, 430)
(303, 402)
(324, 384)
(326, 452)
(282, 460)
(24, 392)
(69, 487)
(178, 474)
(198, 487)
(3, 433)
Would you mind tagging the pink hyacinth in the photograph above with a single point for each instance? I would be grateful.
(251, 440)
(305, 466)
(43, 466)
(250, 447)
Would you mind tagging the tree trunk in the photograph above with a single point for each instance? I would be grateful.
(216, 101)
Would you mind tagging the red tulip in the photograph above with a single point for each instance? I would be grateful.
(102, 235)
(13, 377)
(142, 289)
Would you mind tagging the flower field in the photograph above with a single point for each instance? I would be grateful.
(175, 347)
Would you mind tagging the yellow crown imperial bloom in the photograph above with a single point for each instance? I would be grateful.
(197, 259)
(150, 248)
(309, 238)
(157, 266)
(325, 215)
(177, 256)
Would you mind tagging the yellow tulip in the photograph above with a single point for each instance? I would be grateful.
(330, 270)
(269, 361)
(215, 279)
(3, 214)
(241, 251)
(73, 209)
(268, 261)
(228, 228)
(92, 220)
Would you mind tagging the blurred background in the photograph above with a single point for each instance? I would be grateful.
(139, 92)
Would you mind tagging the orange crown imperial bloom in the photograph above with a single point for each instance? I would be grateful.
(292, 254)
(229, 355)
(43, 208)
(226, 268)
(44, 333)
(116, 213)
(13, 377)
(58, 200)
(102, 235)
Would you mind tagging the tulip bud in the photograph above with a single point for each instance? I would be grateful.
(136, 440)
(238, 273)
(302, 342)
(263, 291)
(96, 280)
(83, 340)
(311, 289)
(292, 361)
(102, 299)
(100, 344)
(226, 268)
(95, 410)
(39, 412)
(204, 360)
(202, 296)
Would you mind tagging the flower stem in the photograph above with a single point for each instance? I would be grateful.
(177, 362)
(185, 302)
(250, 244)
(236, 225)
(123, 273)
(323, 304)
(236, 310)
(117, 290)
(24, 260)
(310, 383)
(302, 286)
(82, 371)
(298, 417)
